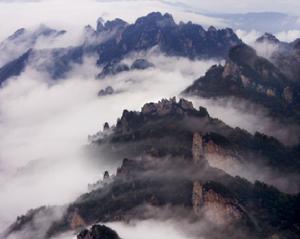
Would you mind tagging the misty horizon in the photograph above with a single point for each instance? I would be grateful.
(68, 68)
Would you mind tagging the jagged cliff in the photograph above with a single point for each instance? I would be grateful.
(285, 56)
(167, 128)
(214, 206)
(167, 147)
(114, 40)
(248, 76)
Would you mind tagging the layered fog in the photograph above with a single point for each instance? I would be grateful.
(45, 123)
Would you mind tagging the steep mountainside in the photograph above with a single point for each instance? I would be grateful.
(115, 39)
(248, 76)
(25, 39)
(167, 148)
(285, 56)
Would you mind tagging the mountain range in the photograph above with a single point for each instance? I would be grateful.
(114, 40)
(248, 76)
(168, 167)
(177, 161)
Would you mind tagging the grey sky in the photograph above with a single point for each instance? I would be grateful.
(74, 14)
(229, 6)
(242, 6)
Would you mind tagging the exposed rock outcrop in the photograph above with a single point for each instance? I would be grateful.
(285, 56)
(102, 182)
(116, 39)
(76, 220)
(220, 210)
(197, 198)
(141, 64)
(107, 91)
(98, 232)
(167, 107)
(112, 69)
(106, 126)
(170, 126)
(248, 76)
(198, 151)
(162, 145)
(214, 206)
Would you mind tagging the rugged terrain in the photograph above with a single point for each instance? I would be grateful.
(250, 77)
(113, 40)
(175, 161)
(285, 56)
(167, 166)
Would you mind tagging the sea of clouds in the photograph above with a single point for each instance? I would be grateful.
(44, 124)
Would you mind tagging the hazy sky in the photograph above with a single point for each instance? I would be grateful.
(37, 121)
(234, 6)
(290, 6)
(74, 14)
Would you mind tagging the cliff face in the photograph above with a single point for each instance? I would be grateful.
(248, 76)
(114, 40)
(170, 128)
(215, 207)
(216, 155)
(197, 150)
(286, 56)
(166, 165)
(76, 221)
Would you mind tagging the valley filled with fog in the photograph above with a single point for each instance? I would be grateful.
(47, 117)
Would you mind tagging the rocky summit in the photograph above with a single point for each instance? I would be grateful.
(248, 76)
(119, 39)
(114, 68)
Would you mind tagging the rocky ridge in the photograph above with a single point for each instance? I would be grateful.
(285, 55)
(23, 40)
(177, 174)
(115, 68)
(114, 40)
(248, 76)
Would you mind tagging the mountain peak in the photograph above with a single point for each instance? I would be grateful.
(100, 24)
(157, 18)
(268, 38)
(115, 24)
(211, 29)
(17, 34)
(296, 44)
(166, 106)
(44, 30)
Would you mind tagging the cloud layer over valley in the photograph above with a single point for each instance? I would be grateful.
(45, 123)
(44, 126)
